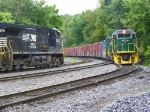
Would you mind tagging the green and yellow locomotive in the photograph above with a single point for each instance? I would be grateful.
(122, 47)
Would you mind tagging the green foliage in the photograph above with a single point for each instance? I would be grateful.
(32, 12)
(89, 28)
(6, 17)
(73, 27)
(147, 53)
(111, 15)
(147, 56)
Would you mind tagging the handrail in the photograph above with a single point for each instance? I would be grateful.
(10, 51)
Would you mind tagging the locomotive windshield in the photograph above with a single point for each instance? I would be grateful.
(57, 34)
(28, 37)
(2, 30)
(123, 35)
(2, 33)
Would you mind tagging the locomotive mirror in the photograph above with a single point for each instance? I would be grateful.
(133, 36)
(114, 36)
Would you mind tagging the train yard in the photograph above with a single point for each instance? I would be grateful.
(86, 62)
(31, 88)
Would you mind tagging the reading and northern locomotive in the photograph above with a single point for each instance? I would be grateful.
(22, 46)
(121, 48)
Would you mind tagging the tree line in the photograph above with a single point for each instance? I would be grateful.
(87, 27)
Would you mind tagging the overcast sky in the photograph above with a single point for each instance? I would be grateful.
(73, 6)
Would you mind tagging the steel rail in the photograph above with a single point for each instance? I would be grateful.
(28, 75)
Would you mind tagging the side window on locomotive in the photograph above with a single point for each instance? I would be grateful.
(57, 34)
(133, 36)
(28, 37)
(114, 36)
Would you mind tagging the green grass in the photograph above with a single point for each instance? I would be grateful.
(73, 60)
(65, 59)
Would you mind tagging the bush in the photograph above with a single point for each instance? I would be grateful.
(147, 56)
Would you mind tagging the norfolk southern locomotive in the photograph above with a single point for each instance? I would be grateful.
(23, 46)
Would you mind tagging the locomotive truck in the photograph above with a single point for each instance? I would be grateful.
(29, 46)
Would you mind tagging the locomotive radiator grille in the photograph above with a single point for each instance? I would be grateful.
(3, 42)
(3, 46)
(130, 47)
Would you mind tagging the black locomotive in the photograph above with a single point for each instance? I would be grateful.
(23, 46)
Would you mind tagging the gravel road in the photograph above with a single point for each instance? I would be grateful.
(116, 96)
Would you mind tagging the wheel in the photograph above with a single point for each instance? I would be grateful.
(53, 64)
(36, 66)
(50, 65)
(4, 69)
(107, 58)
(16, 67)
(112, 59)
(23, 66)
(58, 64)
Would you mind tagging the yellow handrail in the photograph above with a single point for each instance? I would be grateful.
(10, 51)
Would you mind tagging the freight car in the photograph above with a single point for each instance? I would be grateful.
(23, 46)
(121, 48)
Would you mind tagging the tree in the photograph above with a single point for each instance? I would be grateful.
(76, 26)
(89, 28)
(65, 30)
(111, 13)
(32, 12)
(6, 17)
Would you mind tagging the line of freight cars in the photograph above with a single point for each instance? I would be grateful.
(29, 46)
(121, 48)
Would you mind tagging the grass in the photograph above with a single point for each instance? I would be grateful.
(65, 59)
(73, 60)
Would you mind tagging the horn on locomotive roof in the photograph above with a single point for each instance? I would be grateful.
(123, 28)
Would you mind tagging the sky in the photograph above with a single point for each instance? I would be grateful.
(72, 7)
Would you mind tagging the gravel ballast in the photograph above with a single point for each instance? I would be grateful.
(128, 95)
(140, 103)
(10, 87)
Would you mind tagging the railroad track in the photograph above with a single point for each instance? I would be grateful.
(8, 77)
(38, 94)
